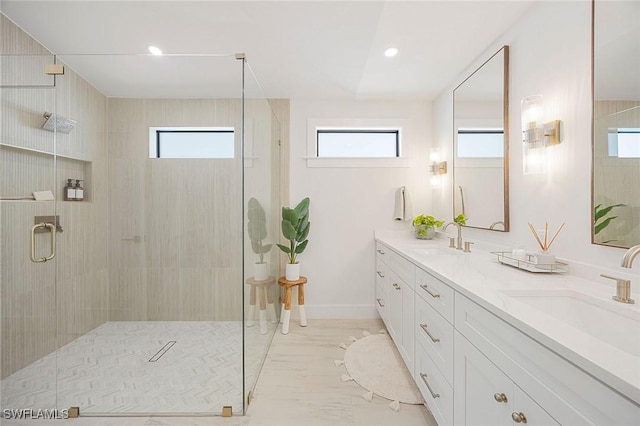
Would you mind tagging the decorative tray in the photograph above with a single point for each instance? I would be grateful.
(528, 264)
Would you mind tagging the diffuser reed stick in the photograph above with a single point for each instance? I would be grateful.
(546, 244)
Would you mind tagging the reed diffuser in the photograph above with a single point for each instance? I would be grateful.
(545, 244)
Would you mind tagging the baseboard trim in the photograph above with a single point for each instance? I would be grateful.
(337, 311)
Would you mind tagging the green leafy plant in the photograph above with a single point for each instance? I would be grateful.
(599, 220)
(461, 219)
(295, 228)
(257, 228)
(422, 223)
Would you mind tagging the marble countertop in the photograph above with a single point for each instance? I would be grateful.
(480, 277)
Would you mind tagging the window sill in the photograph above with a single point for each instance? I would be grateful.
(356, 162)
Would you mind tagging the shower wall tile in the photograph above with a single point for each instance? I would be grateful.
(177, 223)
(47, 305)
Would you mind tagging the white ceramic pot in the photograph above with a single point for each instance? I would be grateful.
(292, 271)
(260, 271)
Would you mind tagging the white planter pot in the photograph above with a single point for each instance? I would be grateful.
(292, 271)
(260, 271)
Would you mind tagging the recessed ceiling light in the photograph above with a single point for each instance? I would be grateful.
(155, 50)
(391, 52)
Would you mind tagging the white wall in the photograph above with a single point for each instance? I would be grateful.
(550, 51)
(348, 204)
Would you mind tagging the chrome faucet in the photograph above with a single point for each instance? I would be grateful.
(459, 238)
(627, 259)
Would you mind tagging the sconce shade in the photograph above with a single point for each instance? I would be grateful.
(532, 128)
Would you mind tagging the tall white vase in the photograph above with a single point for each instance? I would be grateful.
(292, 271)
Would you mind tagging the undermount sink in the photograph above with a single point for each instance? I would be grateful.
(608, 321)
(436, 251)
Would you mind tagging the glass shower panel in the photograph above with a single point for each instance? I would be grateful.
(262, 224)
(27, 261)
(152, 269)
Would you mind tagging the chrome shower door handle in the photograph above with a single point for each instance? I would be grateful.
(52, 252)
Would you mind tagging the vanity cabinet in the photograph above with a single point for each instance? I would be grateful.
(497, 374)
(486, 396)
(542, 379)
(395, 290)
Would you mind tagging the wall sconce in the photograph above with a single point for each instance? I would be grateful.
(436, 168)
(536, 134)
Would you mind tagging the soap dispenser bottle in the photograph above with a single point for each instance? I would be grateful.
(79, 191)
(69, 191)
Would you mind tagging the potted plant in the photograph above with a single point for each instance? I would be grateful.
(257, 229)
(425, 226)
(295, 228)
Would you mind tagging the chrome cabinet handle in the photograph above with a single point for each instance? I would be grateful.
(396, 286)
(380, 302)
(380, 251)
(500, 397)
(432, 294)
(52, 252)
(380, 274)
(424, 379)
(518, 417)
(424, 328)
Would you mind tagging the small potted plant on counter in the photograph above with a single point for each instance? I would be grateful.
(295, 228)
(425, 226)
(257, 229)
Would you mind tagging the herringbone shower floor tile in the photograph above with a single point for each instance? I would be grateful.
(112, 369)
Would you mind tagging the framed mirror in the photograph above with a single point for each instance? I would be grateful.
(615, 176)
(481, 145)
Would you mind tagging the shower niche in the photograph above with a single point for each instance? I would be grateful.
(33, 170)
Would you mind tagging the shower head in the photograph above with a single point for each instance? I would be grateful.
(55, 123)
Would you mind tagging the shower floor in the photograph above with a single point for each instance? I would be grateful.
(144, 367)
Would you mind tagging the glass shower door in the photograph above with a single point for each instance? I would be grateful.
(28, 194)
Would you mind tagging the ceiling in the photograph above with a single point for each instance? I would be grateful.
(297, 49)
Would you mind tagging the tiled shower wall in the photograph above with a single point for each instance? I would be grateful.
(32, 302)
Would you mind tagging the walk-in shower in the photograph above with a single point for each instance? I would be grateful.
(140, 308)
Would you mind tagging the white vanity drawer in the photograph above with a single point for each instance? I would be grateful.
(402, 267)
(437, 392)
(382, 274)
(435, 335)
(436, 293)
(382, 302)
(382, 251)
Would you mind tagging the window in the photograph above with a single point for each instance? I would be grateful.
(357, 143)
(191, 142)
(624, 143)
(480, 143)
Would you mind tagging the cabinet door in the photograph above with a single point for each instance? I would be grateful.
(483, 395)
(407, 350)
(526, 408)
(395, 308)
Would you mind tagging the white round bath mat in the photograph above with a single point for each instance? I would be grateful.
(376, 365)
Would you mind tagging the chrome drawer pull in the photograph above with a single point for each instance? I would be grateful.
(424, 379)
(518, 417)
(380, 251)
(380, 302)
(380, 274)
(432, 294)
(433, 339)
